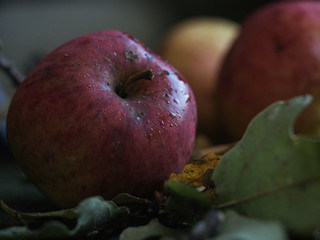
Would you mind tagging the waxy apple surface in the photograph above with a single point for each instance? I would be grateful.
(101, 115)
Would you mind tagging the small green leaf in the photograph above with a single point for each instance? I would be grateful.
(236, 227)
(152, 230)
(93, 214)
(272, 173)
(186, 201)
(125, 199)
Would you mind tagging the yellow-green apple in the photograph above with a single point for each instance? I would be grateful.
(101, 115)
(196, 47)
(275, 57)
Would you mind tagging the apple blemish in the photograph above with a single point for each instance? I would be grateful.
(130, 55)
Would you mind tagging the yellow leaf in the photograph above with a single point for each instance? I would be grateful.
(193, 173)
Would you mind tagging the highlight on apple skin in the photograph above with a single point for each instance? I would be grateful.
(101, 115)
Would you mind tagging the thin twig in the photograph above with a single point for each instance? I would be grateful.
(11, 70)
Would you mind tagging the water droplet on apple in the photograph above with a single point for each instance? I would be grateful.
(172, 115)
(138, 115)
(114, 53)
(66, 55)
(164, 72)
(162, 124)
(171, 125)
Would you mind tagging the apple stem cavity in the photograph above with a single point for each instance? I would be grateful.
(123, 89)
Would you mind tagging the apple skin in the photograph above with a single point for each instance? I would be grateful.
(75, 137)
(196, 48)
(275, 57)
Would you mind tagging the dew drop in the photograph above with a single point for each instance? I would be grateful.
(164, 72)
(172, 115)
(162, 124)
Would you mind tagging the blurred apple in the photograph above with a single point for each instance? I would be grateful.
(196, 47)
(275, 57)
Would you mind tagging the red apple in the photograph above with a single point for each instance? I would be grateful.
(196, 48)
(101, 115)
(276, 57)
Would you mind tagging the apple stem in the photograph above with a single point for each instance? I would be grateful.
(144, 75)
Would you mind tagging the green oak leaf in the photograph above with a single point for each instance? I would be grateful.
(237, 227)
(93, 213)
(272, 173)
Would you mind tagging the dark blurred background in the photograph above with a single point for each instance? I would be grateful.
(30, 29)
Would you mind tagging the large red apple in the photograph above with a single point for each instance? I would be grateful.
(101, 115)
(276, 57)
(196, 47)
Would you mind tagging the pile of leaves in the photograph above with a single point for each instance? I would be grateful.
(266, 187)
